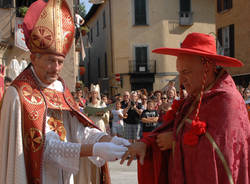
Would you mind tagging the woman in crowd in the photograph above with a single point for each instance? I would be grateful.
(117, 121)
(102, 117)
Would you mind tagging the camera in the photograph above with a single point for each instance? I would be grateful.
(132, 103)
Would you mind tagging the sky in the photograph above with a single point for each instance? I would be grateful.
(87, 5)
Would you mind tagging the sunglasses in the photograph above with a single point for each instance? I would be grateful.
(163, 98)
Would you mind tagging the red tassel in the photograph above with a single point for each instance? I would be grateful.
(191, 137)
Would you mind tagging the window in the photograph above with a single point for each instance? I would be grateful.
(99, 67)
(91, 35)
(6, 4)
(89, 65)
(106, 65)
(140, 12)
(20, 3)
(141, 59)
(226, 39)
(224, 5)
(185, 6)
(97, 28)
(104, 19)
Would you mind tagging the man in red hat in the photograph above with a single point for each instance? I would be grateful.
(206, 137)
(43, 133)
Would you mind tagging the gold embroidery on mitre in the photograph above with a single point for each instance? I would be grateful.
(58, 127)
(33, 139)
(54, 30)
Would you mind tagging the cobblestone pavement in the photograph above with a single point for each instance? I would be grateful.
(123, 174)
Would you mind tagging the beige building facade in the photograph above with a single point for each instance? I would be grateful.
(233, 32)
(8, 50)
(139, 26)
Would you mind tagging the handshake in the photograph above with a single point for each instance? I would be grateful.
(111, 151)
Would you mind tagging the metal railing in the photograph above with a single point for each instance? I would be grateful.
(186, 18)
(136, 66)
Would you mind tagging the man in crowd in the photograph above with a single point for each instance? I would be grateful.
(132, 115)
(210, 138)
(43, 133)
(126, 99)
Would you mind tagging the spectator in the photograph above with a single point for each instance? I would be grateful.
(144, 100)
(81, 101)
(117, 122)
(158, 94)
(7, 82)
(149, 119)
(132, 118)
(126, 99)
(105, 99)
(171, 95)
(164, 107)
(144, 92)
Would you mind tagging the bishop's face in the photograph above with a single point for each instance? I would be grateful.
(191, 71)
(47, 66)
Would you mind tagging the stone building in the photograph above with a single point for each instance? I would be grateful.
(123, 33)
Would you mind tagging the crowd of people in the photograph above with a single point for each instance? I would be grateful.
(133, 114)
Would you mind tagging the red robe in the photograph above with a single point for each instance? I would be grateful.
(224, 111)
(225, 114)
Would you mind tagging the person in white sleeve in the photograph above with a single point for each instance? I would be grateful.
(43, 133)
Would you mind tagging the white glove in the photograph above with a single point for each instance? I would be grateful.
(108, 151)
(120, 141)
(99, 162)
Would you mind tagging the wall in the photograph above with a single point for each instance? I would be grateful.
(163, 30)
(239, 16)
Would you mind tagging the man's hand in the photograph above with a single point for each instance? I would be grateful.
(136, 149)
(165, 140)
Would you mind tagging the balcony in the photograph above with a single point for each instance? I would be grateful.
(142, 67)
(185, 18)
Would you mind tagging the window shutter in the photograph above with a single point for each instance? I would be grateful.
(219, 36)
(104, 19)
(231, 36)
(97, 28)
(6, 4)
(99, 68)
(219, 8)
(106, 65)
(141, 54)
(185, 5)
(230, 4)
(140, 12)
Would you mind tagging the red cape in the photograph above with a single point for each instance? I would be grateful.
(224, 111)
(225, 114)
(155, 167)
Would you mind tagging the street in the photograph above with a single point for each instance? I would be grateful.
(122, 174)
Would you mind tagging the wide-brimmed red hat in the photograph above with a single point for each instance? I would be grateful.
(202, 45)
